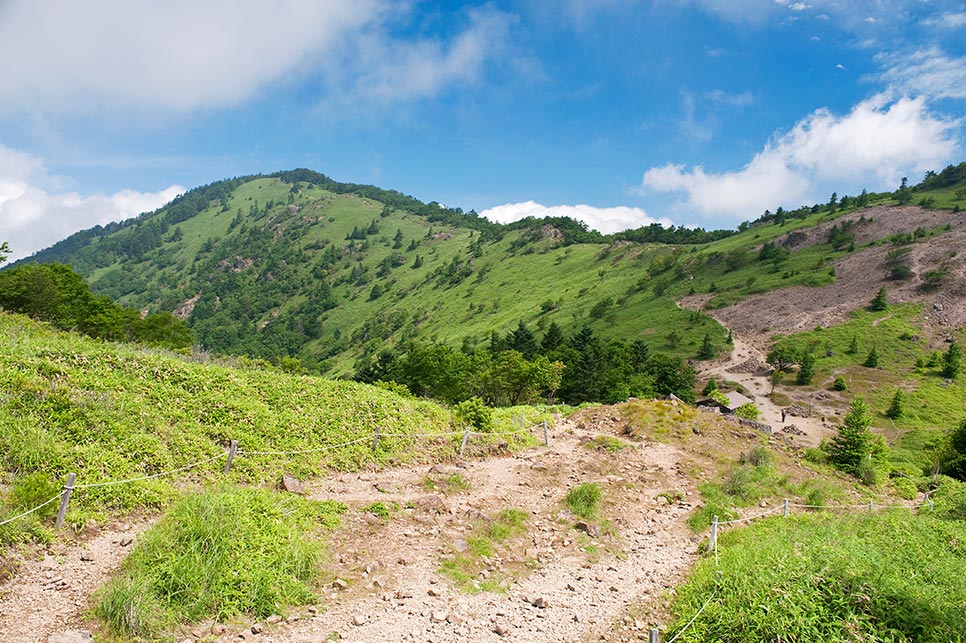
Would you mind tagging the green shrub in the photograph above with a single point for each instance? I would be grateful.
(758, 456)
(474, 413)
(220, 554)
(584, 499)
(748, 411)
(904, 488)
(839, 384)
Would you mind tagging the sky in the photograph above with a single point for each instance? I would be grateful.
(615, 112)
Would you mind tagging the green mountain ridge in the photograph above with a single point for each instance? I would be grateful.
(297, 265)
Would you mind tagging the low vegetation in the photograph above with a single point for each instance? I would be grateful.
(865, 577)
(222, 553)
(469, 566)
(584, 500)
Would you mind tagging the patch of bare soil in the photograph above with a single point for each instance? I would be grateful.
(859, 276)
(50, 591)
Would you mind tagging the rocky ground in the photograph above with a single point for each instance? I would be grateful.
(557, 582)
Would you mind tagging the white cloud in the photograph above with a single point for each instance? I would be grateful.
(32, 217)
(184, 55)
(873, 146)
(604, 220)
(925, 72)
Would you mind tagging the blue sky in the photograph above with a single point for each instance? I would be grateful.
(616, 112)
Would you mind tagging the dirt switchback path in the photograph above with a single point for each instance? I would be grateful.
(561, 583)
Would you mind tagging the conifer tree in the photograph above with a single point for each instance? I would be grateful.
(895, 408)
(880, 302)
(952, 361)
(872, 361)
(855, 442)
(707, 350)
(806, 368)
(853, 346)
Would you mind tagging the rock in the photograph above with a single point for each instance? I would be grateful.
(431, 504)
(588, 528)
(402, 593)
(453, 619)
(433, 592)
(273, 619)
(124, 542)
(540, 602)
(338, 583)
(443, 470)
(359, 619)
(258, 628)
(500, 630)
(292, 484)
(87, 558)
(73, 636)
(439, 616)
(218, 629)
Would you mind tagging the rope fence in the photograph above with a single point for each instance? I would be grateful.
(783, 508)
(233, 452)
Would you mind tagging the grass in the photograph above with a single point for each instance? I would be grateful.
(584, 500)
(607, 443)
(866, 577)
(227, 552)
(449, 483)
(469, 568)
(113, 412)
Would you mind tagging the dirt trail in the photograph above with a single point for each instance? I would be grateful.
(49, 593)
(384, 581)
(738, 367)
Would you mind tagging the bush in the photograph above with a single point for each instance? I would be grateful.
(474, 413)
(584, 499)
(748, 411)
(839, 384)
(904, 488)
(220, 554)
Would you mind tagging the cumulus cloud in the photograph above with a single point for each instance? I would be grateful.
(34, 216)
(183, 55)
(604, 220)
(928, 72)
(873, 146)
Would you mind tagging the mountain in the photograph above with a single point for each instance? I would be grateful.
(296, 265)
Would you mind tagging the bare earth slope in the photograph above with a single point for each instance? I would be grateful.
(561, 584)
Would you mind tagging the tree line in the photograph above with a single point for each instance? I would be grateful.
(517, 368)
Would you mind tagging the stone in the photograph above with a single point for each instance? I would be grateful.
(439, 616)
(588, 528)
(292, 484)
(338, 583)
(72, 636)
(500, 629)
(431, 504)
(443, 470)
(359, 619)
(218, 629)
(540, 602)
(273, 619)
(453, 619)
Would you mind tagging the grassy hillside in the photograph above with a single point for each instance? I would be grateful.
(109, 412)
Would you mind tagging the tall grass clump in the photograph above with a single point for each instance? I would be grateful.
(223, 553)
(819, 577)
(584, 499)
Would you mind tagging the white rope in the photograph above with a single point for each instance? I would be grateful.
(419, 435)
(316, 450)
(27, 513)
(761, 515)
(150, 477)
(693, 618)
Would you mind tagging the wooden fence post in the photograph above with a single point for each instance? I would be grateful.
(64, 499)
(546, 436)
(785, 509)
(231, 454)
(375, 439)
(870, 505)
(653, 636)
(466, 436)
(713, 541)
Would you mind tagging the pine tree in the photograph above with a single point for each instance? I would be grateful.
(552, 338)
(872, 361)
(398, 239)
(895, 408)
(854, 441)
(952, 361)
(707, 350)
(418, 263)
(806, 368)
(880, 302)
(853, 346)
